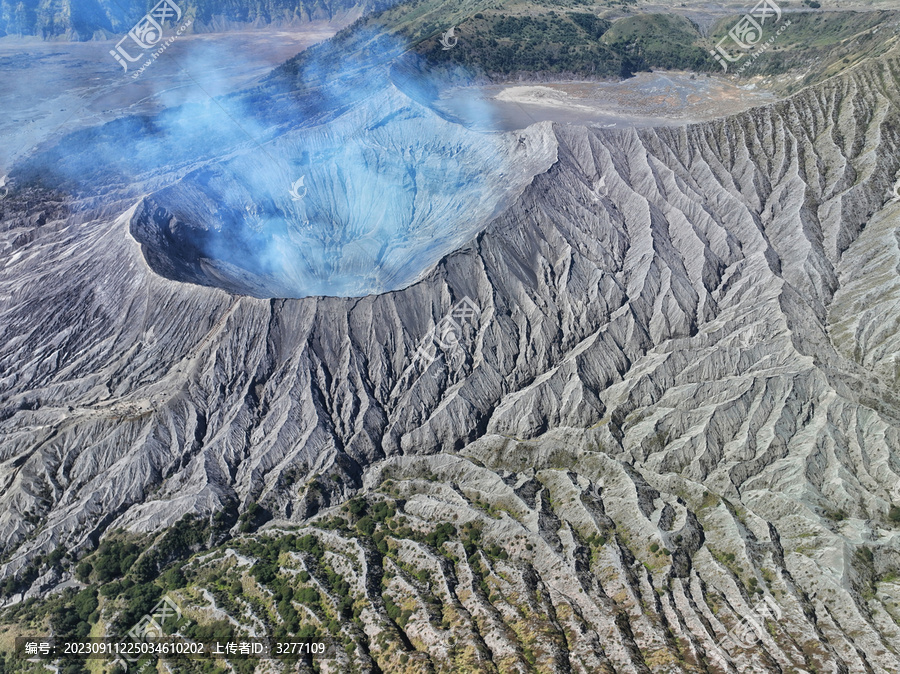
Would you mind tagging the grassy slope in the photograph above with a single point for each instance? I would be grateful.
(820, 44)
(577, 44)
(817, 44)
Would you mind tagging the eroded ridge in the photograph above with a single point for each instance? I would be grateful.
(662, 297)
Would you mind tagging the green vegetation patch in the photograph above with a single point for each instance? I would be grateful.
(576, 44)
(816, 42)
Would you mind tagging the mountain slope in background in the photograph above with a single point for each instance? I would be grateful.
(539, 41)
(88, 19)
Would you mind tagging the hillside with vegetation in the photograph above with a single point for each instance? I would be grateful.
(581, 40)
(574, 44)
(819, 44)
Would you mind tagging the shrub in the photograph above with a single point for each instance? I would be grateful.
(174, 578)
(83, 571)
(382, 511)
(308, 596)
(894, 514)
(443, 533)
(263, 572)
(310, 544)
(253, 518)
(357, 507)
(114, 559)
(366, 526)
(392, 609)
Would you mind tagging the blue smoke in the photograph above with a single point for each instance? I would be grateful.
(336, 176)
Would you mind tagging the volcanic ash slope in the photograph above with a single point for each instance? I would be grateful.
(685, 344)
